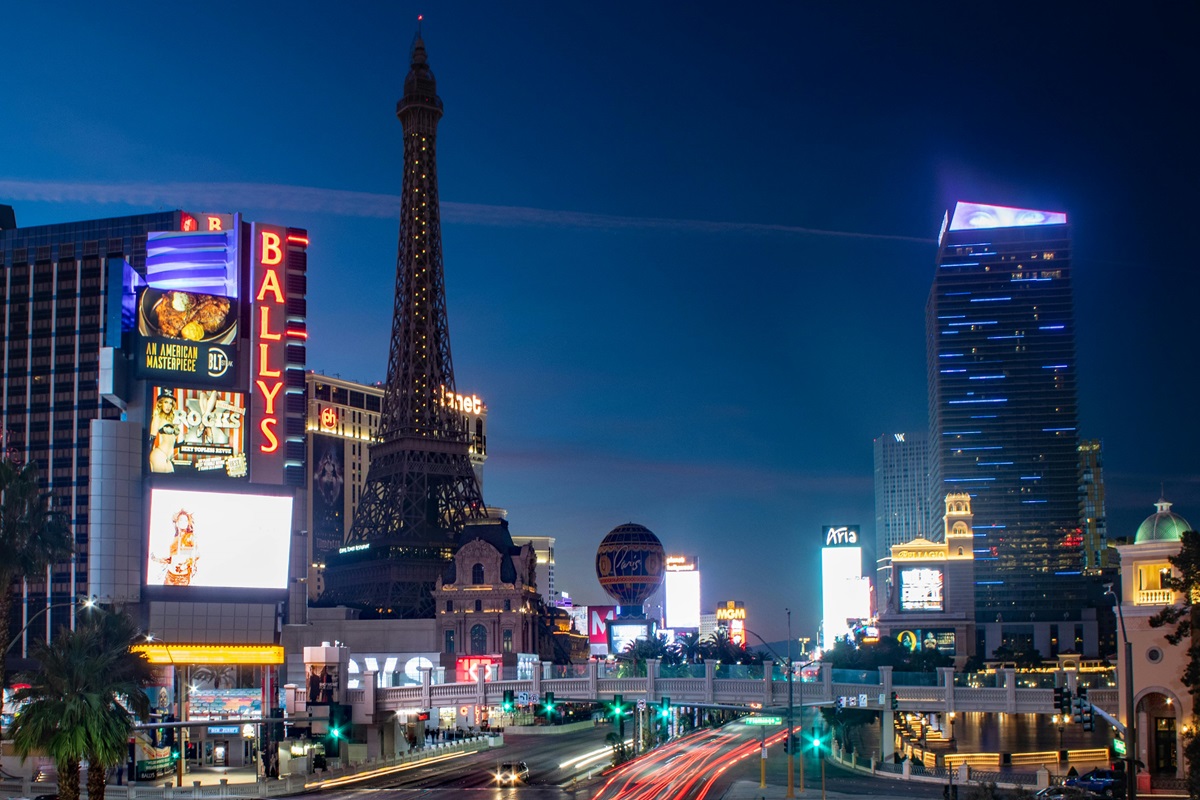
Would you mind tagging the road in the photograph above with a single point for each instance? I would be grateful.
(705, 765)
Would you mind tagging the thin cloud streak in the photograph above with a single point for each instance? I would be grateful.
(386, 206)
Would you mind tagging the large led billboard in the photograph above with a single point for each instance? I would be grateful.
(204, 262)
(682, 584)
(218, 539)
(328, 495)
(939, 639)
(921, 589)
(623, 633)
(187, 337)
(845, 593)
(197, 432)
(968, 216)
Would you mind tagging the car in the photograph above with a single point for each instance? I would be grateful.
(512, 772)
(1106, 782)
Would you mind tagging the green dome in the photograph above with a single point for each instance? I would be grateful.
(1163, 526)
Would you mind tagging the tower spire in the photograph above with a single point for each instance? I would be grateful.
(420, 489)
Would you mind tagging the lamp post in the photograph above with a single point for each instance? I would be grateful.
(791, 790)
(1130, 714)
(952, 741)
(87, 603)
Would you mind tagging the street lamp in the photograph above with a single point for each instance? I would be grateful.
(1059, 722)
(791, 790)
(89, 602)
(952, 742)
(1130, 715)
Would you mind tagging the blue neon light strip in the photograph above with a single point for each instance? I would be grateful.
(977, 527)
(955, 316)
(948, 371)
(1055, 366)
(1056, 430)
(1031, 477)
(966, 480)
(995, 400)
(960, 433)
(1010, 336)
(989, 447)
(995, 463)
(1070, 572)
(988, 377)
(1051, 327)
(985, 416)
(950, 355)
(989, 299)
(1032, 502)
(950, 333)
(985, 322)
(957, 294)
(963, 264)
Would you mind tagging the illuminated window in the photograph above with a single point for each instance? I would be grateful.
(507, 643)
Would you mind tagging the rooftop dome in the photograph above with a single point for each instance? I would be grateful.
(1163, 526)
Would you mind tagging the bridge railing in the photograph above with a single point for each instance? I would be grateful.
(1004, 691)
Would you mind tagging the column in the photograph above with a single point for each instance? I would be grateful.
(887, 718)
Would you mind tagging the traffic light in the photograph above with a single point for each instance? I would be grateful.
(895, 702)
(548, 703)
(1060, 699)
(1086, 717)
(1077, 709)
(817, 742)
(338, 729)
(617, 708)
(509, 701)
(664, 709)
(790, 745)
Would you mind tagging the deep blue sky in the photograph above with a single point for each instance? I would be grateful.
(687, 248)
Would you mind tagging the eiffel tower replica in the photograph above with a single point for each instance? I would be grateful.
(420, 489)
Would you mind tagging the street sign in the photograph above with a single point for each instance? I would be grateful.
(1119, 747)
(641, 704)
(525, 698)
(763, 720)
(862, 700)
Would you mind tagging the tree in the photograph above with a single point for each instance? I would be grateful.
(688, 648)
(32, 535)
(82, 701)
(1185, 617)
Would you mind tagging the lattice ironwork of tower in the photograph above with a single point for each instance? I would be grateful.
(420, 489)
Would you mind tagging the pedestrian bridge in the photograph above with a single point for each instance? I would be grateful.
(714, 684)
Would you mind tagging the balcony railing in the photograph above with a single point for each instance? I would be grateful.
(1154, 597)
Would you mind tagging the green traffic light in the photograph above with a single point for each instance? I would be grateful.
(335, 733)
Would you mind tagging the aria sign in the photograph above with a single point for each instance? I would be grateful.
(841, 536)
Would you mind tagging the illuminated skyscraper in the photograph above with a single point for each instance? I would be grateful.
(1000, 336)
(901, 498)
(1092, 517)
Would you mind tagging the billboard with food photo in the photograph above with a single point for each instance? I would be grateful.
(218, 539)
(197, 432)
(188, 337)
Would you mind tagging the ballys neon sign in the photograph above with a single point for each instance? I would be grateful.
(268, 297)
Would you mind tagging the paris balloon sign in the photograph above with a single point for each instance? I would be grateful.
(629, 564)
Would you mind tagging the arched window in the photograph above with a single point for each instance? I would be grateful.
(507, 641)
(960, 551)
(478, 640)
(449, 641)
(477, 574)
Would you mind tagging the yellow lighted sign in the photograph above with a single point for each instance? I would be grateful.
(680, 564)
(176, 654)
(466, 403)
(725, 613)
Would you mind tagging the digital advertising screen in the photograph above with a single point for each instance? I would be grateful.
(939, 639)
(218, 539)
(921, 589)
(328, 494)
(186, 337)
(197, 433)
(683, 598)
(623, 634)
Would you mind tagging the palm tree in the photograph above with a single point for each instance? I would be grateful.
(32, 535)
(82, 700)
(689, 648)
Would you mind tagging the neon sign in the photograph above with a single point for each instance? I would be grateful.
(329, 418)
(467, 404)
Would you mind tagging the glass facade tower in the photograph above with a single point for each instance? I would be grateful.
(1000, 336)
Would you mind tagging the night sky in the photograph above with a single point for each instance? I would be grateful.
(687, 248)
